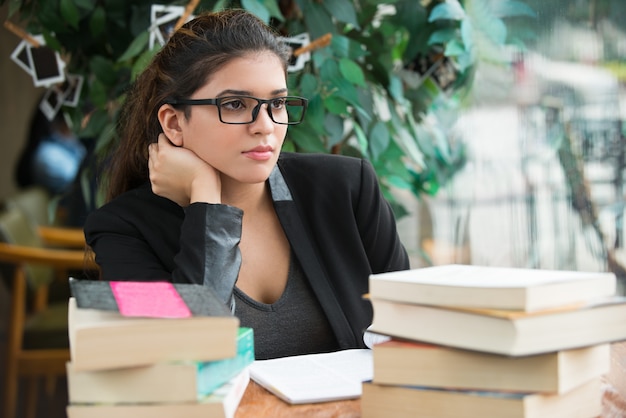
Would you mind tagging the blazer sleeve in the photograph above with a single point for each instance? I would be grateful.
(134, 240)
(209, 248)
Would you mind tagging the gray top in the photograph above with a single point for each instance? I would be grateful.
(297, 313)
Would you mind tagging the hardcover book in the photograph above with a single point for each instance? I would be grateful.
(381, 401)
(512, 333)
(150, 324)
(474, 286)
(148, 299)
(184, 381)
(222, 403)
(417, 364)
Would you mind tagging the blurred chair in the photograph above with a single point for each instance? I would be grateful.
(37, 338)
(40, 209)
(36, 203)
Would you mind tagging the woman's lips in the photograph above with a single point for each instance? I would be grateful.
(260, 153)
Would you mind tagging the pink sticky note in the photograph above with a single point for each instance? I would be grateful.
(149, 299)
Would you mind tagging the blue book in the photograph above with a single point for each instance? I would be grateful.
(164, 382)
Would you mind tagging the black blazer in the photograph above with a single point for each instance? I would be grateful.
(337, 222)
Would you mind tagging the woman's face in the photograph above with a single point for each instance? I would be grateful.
(245, 153)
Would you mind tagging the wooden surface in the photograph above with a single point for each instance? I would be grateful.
(259, 403)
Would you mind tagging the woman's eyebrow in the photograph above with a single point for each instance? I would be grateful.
(231, 92)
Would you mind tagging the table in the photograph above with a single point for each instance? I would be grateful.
(259, 403)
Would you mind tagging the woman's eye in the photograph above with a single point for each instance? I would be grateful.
(278, 103)
(235, 104)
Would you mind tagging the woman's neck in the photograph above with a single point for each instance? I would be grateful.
(248, 197)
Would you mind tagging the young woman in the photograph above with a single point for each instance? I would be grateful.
(200, 193)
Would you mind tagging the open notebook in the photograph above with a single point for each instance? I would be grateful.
(315, 378)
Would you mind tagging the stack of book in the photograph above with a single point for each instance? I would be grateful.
(473, 341)
(154, 350)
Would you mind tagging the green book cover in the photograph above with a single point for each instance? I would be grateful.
(213, 374)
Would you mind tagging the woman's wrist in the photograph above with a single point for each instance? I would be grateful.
(206, 191)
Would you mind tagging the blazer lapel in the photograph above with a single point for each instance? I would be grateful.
(298, 237)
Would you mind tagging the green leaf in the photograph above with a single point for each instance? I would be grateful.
(510, 8)
(95, 124)
(410, 14)
(398, 182)
(98, 94)
(288, 145)
(352, 71)
(495, 30)
(342, 10)
(464, 61)
(409, 145)
(442, 36)
(334, 81)
(361, 139)
(336, 105)
(70, 14)
(274, 9)
(50, 19)
(454, 48)
(340, 46)
(334, 127)
(103, 69)
(136, 47)
(449, 10)
(315, 114)
(306, 139)
(316, 19)
(257, 8)
(107, 134)
(396, 89)
(308, 85)
(86, 4)
(51, 41)
(143, 61)
(97, 23)
(365, 113)
(221, 4)
(378, 139)
(467, 35)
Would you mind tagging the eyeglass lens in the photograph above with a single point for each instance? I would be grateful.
(241, 109)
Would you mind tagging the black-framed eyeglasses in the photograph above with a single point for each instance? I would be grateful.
(242, 110)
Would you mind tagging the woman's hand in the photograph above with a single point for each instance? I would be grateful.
(178, 174)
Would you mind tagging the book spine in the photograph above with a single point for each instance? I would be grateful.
(214, 374)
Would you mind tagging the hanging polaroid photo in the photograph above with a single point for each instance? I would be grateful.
(163, 20)
(296, 63)
(20, 57)
(51, 102)
(47, 67)
(71, 89)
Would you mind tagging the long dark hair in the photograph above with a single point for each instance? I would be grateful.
(185, 63)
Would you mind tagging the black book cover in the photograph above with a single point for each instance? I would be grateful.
(97, 294)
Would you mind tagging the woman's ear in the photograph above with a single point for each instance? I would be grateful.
(170, 120)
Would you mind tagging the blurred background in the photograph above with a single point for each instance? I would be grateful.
(543, 183)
